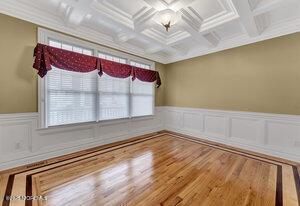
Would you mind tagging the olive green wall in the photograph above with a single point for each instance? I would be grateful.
(160, 92)
(261, 77)
(18, 80)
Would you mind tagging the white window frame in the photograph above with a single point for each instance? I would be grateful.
(43, 37)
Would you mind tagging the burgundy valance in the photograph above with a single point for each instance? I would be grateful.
(47, 56)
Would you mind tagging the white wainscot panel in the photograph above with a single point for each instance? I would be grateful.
(15, 139)
(114, 130)
(283, 134)
(215, 126)
(173, 119)
(146, 124)
(22, 143)
(193, 122)
(247, 130)
(62, 138)
(271, 134)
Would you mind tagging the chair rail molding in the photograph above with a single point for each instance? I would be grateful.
(22, 142)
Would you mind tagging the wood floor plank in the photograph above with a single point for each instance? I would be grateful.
(19, 189)
(165, 170)
(176, 175)
(142, 175)
(289, 187)
(73, 171)
(3, 184)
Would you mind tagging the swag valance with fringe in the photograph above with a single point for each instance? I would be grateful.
(47, 56)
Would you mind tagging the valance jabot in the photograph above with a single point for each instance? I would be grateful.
(47, 56)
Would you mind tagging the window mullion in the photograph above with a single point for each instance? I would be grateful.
(130, 93)
(97, 93)
(46, 102)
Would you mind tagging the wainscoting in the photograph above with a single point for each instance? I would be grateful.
(22, 142)
(271, 134)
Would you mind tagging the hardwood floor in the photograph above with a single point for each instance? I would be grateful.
(162, 169)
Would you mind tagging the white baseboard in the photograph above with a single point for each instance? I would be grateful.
(21, 142)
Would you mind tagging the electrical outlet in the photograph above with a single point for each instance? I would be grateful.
(17, 145)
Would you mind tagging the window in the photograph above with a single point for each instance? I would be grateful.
(142, 97)
(71, 97)
(113, 94)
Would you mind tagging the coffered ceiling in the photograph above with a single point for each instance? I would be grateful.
(205, 26)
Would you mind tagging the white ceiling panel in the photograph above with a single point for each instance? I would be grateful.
(230, 30)
(207, 8)
(125, 6)
(280, 14)
(204, 26)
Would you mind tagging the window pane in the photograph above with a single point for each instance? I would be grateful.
(111, 84)
(142, 95)
(113, 106)
(77, 50)
(140, 65)
(112, 58)
(67, 47)
(123, 61)
(113, 97)
(71, 97)
(87, 52)
(139, 87)
(70, 107)
(113, 93)
(54, 44)
(58, 79)
(142, 105)
(102, 56)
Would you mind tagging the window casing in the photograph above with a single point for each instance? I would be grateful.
(67, 97)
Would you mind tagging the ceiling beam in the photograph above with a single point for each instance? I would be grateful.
(192, 26)
(269, 5)
(157, 4)
(154, 49)
(177, 5)
(124, 37)
(246, 17)
(77, 13)
(144, 20)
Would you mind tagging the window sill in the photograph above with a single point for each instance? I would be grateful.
(99, 123)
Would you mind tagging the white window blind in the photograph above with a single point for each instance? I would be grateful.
(113, 93)
(142, 95)
(71, 96)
